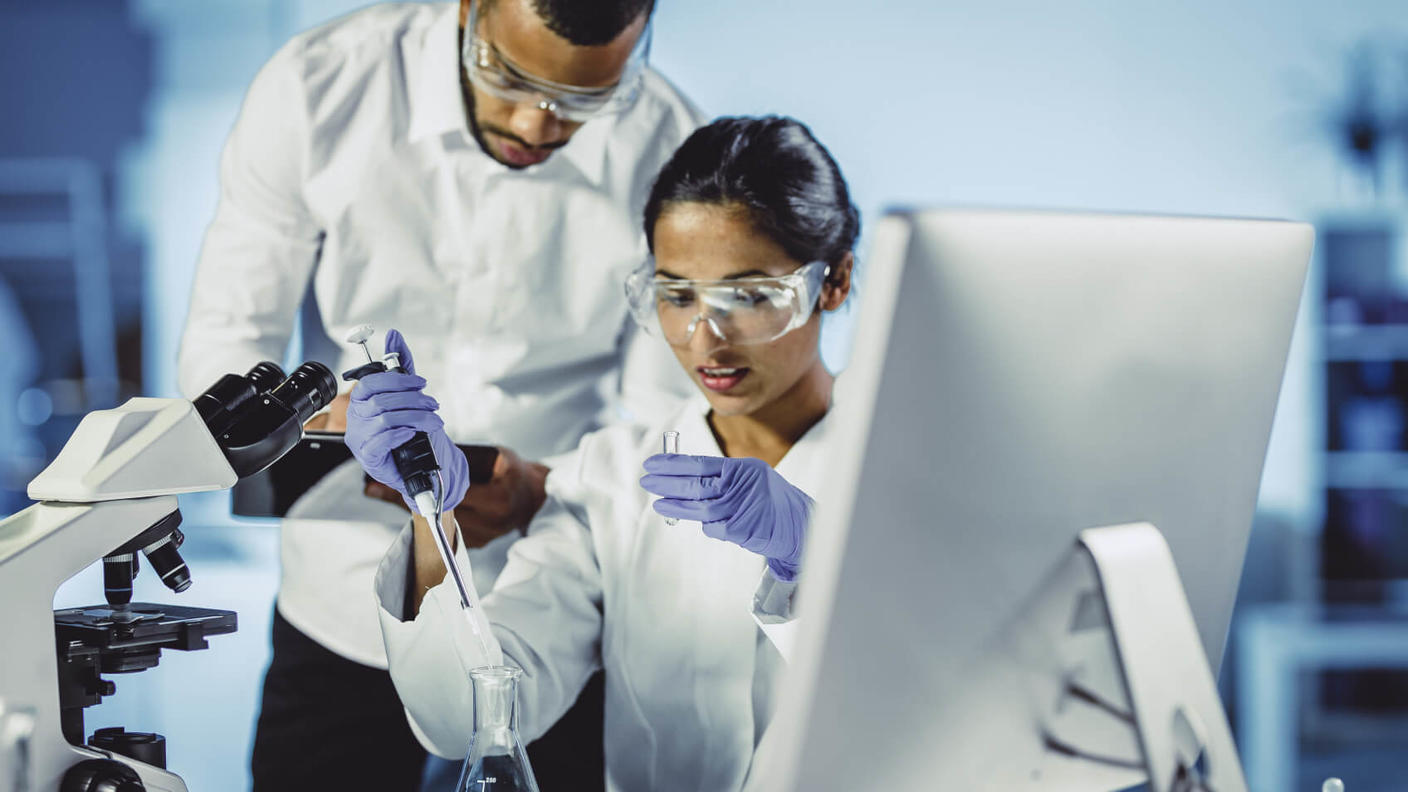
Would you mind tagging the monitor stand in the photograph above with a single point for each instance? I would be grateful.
(1182, 728)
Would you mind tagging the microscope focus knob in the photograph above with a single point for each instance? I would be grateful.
(101, 775)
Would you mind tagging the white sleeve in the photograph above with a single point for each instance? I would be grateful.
(545, 612)
(260, 250)
(772, 610)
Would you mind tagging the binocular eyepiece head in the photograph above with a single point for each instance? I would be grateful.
(308, 389)
(223, 400)
(256, 418)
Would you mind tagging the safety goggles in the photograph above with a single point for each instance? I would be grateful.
(492, 72)
(738, 311)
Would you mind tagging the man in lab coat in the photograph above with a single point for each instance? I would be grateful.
(472, 175)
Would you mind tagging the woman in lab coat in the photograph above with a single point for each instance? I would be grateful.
(751, 228)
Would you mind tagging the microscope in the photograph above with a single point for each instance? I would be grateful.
(111, 495)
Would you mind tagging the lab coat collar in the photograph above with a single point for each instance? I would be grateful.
(437, 106)
(804, 464)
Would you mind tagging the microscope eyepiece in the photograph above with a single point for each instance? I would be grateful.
(222, 402)
(266, 426)
(308, 389)
(264, 376)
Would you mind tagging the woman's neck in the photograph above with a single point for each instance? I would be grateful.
(770, 433)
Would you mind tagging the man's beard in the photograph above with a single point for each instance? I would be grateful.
(477, 131)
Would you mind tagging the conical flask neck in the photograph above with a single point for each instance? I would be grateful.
(496, 760)
(495, 707)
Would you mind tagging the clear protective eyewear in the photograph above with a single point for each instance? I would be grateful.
(739, 310)
(492, 72)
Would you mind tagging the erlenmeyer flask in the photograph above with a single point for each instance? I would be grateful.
(496, 760)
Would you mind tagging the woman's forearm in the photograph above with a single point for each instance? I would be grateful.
(429, 568)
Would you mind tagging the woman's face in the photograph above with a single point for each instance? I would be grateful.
(698, 241)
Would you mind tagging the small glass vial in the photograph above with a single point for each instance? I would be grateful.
(672, 446)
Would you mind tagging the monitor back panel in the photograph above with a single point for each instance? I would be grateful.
(1018, 377)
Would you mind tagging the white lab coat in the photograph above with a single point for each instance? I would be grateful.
(691, 653)
(351, 170)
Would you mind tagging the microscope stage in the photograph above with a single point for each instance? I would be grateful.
(141, 625)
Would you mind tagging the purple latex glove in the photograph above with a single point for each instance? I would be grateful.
(743, 501)
(386, 410)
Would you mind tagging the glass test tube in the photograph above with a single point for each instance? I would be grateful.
(672, 446)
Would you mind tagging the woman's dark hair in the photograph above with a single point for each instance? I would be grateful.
(777, 170)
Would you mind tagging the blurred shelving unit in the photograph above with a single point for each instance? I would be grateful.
(1333, 671)
(1352, 343)
(62, 217)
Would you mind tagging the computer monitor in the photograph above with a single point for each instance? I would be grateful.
(1018, 377)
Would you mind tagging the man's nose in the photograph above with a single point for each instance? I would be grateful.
(535, 125)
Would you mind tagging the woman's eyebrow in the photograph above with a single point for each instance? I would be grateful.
(752, 273)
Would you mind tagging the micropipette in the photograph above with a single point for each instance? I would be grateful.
(415, 461)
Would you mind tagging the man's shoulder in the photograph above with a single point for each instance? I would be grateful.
(659, 89)
(362, 39)
(662, 104)
(645, 136)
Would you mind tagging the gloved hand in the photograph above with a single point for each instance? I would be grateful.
(741, 500)
(499, 501)
(386, 410)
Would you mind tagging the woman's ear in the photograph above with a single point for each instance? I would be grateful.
(837, 284)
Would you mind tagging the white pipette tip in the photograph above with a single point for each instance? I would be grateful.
(360, 334)
(1332, 785)
(425, 504)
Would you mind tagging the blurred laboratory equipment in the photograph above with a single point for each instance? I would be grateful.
(496, 761)
(1363, 114)
(21, 454)
(671, 445)
(1325, 675)
(110, 496)
(79, 236)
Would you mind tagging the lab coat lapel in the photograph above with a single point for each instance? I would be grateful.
(693, 663)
